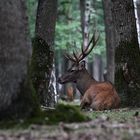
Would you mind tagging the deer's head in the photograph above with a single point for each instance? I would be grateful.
(78, 64)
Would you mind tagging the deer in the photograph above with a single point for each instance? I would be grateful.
(95, 94)
(70, 93)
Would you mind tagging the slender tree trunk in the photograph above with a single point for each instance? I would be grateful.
(97, 67)
(82, 12)
(17, 98)
(59, 68)
(138, 10)
(138, 18)
(127, 54)
(45, 29)
(94, 5)
(68, 8)
(110, 44)
(85, 19)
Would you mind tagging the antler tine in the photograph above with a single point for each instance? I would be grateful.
(69, 57)
(74, 53)
(72, 57)
(94, 40)
(86, 51)
(82, 55)
(75, 56)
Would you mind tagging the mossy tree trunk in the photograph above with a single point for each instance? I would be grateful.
(127, 54)
(45, 31)
(110, 43)
(17, 97)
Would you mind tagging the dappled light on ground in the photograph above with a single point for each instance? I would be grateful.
(115, 125)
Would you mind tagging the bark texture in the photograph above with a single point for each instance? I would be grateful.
(137, 3)
(46, 20)
(85, 19)
(45, 30)
(15, 50)
(82, 12)
(138, 11)
(110, 39)
(127, 54)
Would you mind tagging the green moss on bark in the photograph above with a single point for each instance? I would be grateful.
(62, 113)
(128, 83)
(41, 66)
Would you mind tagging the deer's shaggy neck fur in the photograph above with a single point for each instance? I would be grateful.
(84, 81)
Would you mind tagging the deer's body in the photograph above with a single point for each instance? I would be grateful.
(100, 97)
(96, 95)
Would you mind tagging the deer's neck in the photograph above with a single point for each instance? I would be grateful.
(84, 81)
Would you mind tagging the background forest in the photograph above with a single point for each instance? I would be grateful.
(41, 41)
(69, 31)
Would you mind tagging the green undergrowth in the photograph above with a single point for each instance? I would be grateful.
(119, 115)
(62, 113)
(69, 113)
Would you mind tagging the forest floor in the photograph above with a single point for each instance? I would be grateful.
(120, 124)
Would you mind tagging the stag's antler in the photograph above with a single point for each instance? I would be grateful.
(85, 51)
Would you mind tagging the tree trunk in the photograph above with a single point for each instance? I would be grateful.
(127, 54)
(82, 12)
(97, 67)
(45, 29)
(110, 49)
(138, 10)
(58, 64)
(85, 19)
(17, 97)
(138, 18)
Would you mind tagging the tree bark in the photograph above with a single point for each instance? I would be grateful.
(127, 54)
(16, 94)
(45, 29)
(110, 44)
(138, 10)
(138, 18)
(85, 19)
(82, 12)
(46, 20)
(97, 67)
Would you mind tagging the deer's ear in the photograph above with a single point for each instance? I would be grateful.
(82, 65)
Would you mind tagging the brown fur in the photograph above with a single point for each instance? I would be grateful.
(70, 93)
(101, 96)
(96, 95)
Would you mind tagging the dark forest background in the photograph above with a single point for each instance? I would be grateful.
(35, 35)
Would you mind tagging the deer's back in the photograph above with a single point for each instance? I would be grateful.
(100, 96)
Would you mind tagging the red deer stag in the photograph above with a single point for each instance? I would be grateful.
(95, 95)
